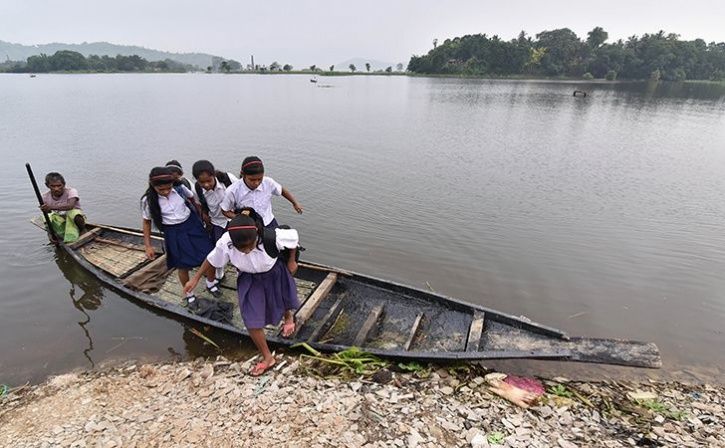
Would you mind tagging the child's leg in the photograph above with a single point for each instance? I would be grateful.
(288, 327)
(260, 341)
(183, 276)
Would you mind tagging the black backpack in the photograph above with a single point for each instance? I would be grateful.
(269, 237)
(220, 177)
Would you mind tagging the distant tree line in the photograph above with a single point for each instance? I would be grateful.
(562, 53)
(66, 60)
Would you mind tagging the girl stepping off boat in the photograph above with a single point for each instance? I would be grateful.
(267, 291)
(186, 241)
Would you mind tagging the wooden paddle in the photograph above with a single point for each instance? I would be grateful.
(51, 234)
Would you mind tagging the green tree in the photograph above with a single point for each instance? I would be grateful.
(274, 66)
(224, 66)
(65, 60)
(399, 66)
(352, 67)
(332, 68)
(596, 37)
(389, 69)
(367, 66)
(287, 68)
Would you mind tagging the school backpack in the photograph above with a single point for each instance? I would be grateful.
(269, 237)
(220, 177)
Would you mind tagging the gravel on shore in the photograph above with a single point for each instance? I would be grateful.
(215, 403)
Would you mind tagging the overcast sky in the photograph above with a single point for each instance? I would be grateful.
(322, 32)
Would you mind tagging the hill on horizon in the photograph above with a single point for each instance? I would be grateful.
(20, 52)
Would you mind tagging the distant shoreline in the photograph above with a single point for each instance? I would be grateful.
(393, 74)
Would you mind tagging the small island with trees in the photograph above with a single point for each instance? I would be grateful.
(560, 53)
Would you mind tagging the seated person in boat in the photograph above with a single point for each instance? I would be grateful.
(64, 208)
(174, 212)
(255, 190)
(267, 292)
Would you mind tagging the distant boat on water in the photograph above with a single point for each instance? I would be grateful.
(32, 76)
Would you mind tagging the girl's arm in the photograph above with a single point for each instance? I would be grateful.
(229, 214)
(288, 195)
(150, 252)
(205, 269)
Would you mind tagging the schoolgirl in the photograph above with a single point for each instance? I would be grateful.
(255, 190)
(266, 289)
(210, 186)
(169, 208)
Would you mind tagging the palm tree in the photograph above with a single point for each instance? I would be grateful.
(332, 68)
(367, 66)
(352, 67)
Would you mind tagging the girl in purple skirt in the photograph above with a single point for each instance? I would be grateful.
(186, 242)
(267, 291)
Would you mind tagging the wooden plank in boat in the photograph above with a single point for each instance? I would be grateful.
(86, 237)
(322, 325)
(368, 325)
(127, 232)
(112, 259)
(413, 331)
(311, 304)
(475, 331)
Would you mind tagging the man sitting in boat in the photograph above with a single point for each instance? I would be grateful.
(64, 208)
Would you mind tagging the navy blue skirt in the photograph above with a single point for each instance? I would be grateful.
(217, 232)
(187, 244)
(265, 296)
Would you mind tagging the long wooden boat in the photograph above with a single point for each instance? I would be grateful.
(341, 309)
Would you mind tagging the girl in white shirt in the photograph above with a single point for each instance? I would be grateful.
(185, 240)
(267, 292)
(255, 190)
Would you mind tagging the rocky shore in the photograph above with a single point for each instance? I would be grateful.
(305, 403)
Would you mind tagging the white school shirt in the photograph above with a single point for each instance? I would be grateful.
(214, 198)
(255, 261)
(173, 207)
(238, 195)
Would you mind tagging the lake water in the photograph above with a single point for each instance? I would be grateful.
(602, 216)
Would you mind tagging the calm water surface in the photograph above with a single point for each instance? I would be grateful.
(602, 216)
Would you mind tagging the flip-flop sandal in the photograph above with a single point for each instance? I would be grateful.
(286, 331)
(261, 368)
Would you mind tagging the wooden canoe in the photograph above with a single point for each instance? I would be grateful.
(341, 309)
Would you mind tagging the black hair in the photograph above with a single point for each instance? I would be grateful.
(202, 166)
(159, 175)
(252, 165)
(175, 166)
(242, 237)
(53, 176)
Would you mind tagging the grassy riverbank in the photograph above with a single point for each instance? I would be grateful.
(307, 402)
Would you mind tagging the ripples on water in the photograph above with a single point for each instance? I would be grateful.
(511, 194)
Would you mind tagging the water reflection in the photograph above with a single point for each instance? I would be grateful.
(89, 300)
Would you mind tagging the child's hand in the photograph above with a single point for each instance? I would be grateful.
(150, 253)
(292, 266)
(298, 207)
(190, 286)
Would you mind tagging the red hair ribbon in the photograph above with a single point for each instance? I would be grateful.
(242, 227)
(253, 162)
